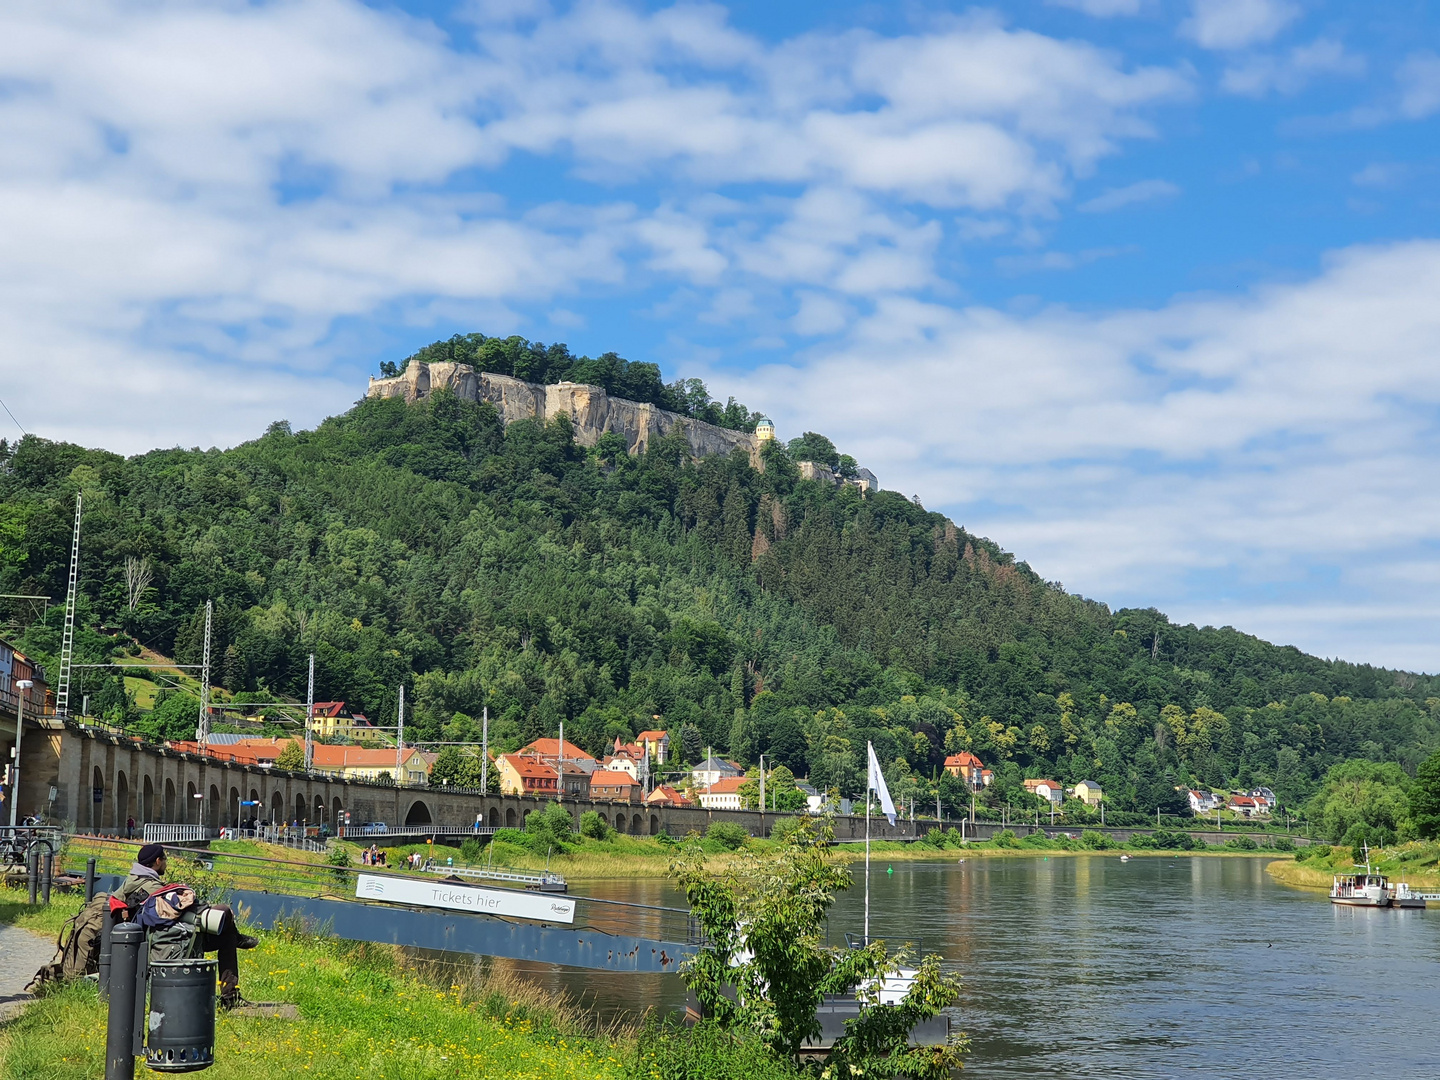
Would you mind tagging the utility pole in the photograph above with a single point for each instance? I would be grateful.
(485, 751)
(21, 686)
(560, 767)
(310, 716)
(202, 729)
(400, 740)
(67, 640)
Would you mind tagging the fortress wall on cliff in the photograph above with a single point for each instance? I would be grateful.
(592, 411)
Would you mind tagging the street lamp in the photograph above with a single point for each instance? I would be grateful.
(21, 685)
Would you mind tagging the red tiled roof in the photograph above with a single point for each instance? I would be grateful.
(729, 785)
(356, 757)
(1037, 783)
(611, 778)
(965, 757)
(550, 748)
(529, 766)
(651, 736)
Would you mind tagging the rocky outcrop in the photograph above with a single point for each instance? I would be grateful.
(592, 411)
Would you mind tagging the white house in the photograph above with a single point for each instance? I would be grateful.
(1048, 790)
(1203, 802)
(724, 794)
(712, 770)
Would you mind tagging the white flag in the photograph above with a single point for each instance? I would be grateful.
(877, 785)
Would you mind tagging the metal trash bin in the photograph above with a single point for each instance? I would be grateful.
(180, 1024)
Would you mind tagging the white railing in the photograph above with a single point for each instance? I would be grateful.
(176, 834)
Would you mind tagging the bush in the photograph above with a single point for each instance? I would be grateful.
(1006, 838)
(470, 849)
(1094, 839)
(1283, 843)
(707, 1052)
(727, 834)
(935, 838)
(1241, 843)
(785, 827)
(509, 836)
(1144, 841)
(593, 826)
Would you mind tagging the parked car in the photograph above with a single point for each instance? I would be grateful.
(375, 827)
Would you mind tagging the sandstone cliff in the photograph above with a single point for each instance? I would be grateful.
(593, 411)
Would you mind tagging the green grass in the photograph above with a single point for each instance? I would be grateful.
(1417, 862)
(370, 1013)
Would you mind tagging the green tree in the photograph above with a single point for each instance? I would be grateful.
(1425, 798)
(292, 757)
(1367, 793)
(765, 967)
(817, 448)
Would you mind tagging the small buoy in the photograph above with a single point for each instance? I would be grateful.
(889, 869)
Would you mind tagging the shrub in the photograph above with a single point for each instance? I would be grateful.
(1094, 839)
(1006, 838)
(727, 834)
(593, 826)
(935, 838)
(510, 836)
(1241, 843)
(707, 1052)
(470, 849)
(1283, 843)
(785, 828)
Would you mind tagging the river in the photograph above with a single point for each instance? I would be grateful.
(1157, 967)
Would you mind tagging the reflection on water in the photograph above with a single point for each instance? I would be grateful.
(1158, 967)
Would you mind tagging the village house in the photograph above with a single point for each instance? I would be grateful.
(656, 743)
(724, 794)
(1203, 802)
(1088, 792)
(550, 750)
(524, 775)
(370, 763)
(665, 795)
(614, 785)
(712, 770)
(969, 768)
(1048, 790)
(1248, 805)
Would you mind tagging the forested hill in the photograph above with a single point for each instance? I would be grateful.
(480, 565)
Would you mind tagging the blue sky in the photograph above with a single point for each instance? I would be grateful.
(1144, 290)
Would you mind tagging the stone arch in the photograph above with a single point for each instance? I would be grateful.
(510, 817)
(418, 814)
(191, 815)
(300, 812)
(620, 823)
(604, 820)
(234, 807)
(337, 815)
(654, 825)
(122, 799)
(319, 818)
(97, 787)
(168, 813)
(637, 826)
(212, 809)
(494, 817)
(277, 809)
(147, 801)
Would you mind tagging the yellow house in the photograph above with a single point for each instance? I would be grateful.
(1088, 792)
(364, 763)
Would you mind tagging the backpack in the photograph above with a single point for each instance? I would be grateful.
(169, 918)
(77, 947)
(166, 906)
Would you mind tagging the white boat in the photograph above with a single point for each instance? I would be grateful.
(1361, 890)
(1402, 896)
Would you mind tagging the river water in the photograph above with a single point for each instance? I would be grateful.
(1158, 967)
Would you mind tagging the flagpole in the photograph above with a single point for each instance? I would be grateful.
(868, 782)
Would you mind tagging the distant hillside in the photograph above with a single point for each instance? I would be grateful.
(754, 612)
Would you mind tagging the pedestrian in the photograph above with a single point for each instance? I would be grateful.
(129, 828)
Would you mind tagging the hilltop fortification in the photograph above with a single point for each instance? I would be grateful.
(592, 411)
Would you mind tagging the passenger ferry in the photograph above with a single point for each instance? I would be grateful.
(1361, 890)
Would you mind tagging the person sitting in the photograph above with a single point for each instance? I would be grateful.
(208, 928)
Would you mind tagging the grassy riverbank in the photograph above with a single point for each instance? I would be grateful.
(366, 1011)
(1417, 862)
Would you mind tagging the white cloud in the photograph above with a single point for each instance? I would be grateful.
(1235, 24)
(1419, 78)
(1167, 456)
(1102, 9)
(1289, 72)
(1141, 191)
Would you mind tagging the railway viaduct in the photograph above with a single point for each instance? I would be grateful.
(93, 779)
